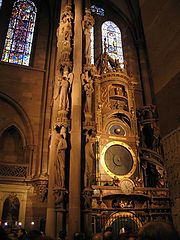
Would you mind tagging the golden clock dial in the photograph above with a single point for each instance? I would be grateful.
(117, 130)
(126, 185)
(118, 160)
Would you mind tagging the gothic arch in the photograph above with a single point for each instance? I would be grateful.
(11, 207)
(18, 127)
(27, 133)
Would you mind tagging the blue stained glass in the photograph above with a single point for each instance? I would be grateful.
(26, 60)
(8, 44)
(6, 56)
(27, 48)
(20, 48)
(13, 58)
(18, 43)
(99, 11)
(10, 33)
(112, 34)
(29, 36)
(31, 27)
(20, 57)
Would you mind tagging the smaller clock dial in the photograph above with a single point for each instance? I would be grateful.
(117, 130)
(127, 185)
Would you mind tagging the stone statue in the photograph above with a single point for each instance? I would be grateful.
(65, 85)
(60, 162)
(11, 208)
(87, 25)
(64, 31)
(66, 26)
(87, 195)
(89, 159)
(138, 182)
(88, 88)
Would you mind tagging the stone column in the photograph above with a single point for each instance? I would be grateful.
(87, 211)
(75, 154)
(51, 213)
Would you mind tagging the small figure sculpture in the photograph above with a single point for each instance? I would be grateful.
(87, 25)
(89, 159)
(66, 24)
(94, 203)
(87, 199)
(60, 162)
(64, 31)
(138, 182)
(65, 86)
(88, 88)
(115, 181)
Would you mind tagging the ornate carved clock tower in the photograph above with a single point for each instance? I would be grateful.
(116, 124)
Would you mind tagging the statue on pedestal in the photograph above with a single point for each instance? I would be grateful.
(88, 88)
(64, 88)
(66, 26)
(60, 162)
(87, 25)
(89, 159)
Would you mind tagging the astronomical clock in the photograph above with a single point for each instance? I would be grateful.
(117, 155)
(129, 168)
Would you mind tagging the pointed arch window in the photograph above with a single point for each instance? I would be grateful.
(18, 43)
(111, 35)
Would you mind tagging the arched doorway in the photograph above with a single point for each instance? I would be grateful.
(122, 222)
(11, 207)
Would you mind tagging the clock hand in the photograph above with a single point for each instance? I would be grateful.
(111, 152)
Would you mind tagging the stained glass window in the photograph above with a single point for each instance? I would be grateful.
(19, 37)
(111, 34)
(97, 10)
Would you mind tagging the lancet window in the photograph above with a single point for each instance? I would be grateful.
(18, 43)
(111, 37)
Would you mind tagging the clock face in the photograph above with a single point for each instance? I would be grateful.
(126, 185)
(117, 130)
(118, 160)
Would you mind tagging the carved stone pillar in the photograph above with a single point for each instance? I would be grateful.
(87, 212)
(28, 155)
(75, 154)
(50, 215)
(59, 115)
(60, 199)
(87, 24)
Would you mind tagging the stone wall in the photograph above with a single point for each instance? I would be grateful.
(171, 146)
(161, 27)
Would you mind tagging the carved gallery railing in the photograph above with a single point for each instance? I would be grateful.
(151, 156)
(13, 170)
(146, 191)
